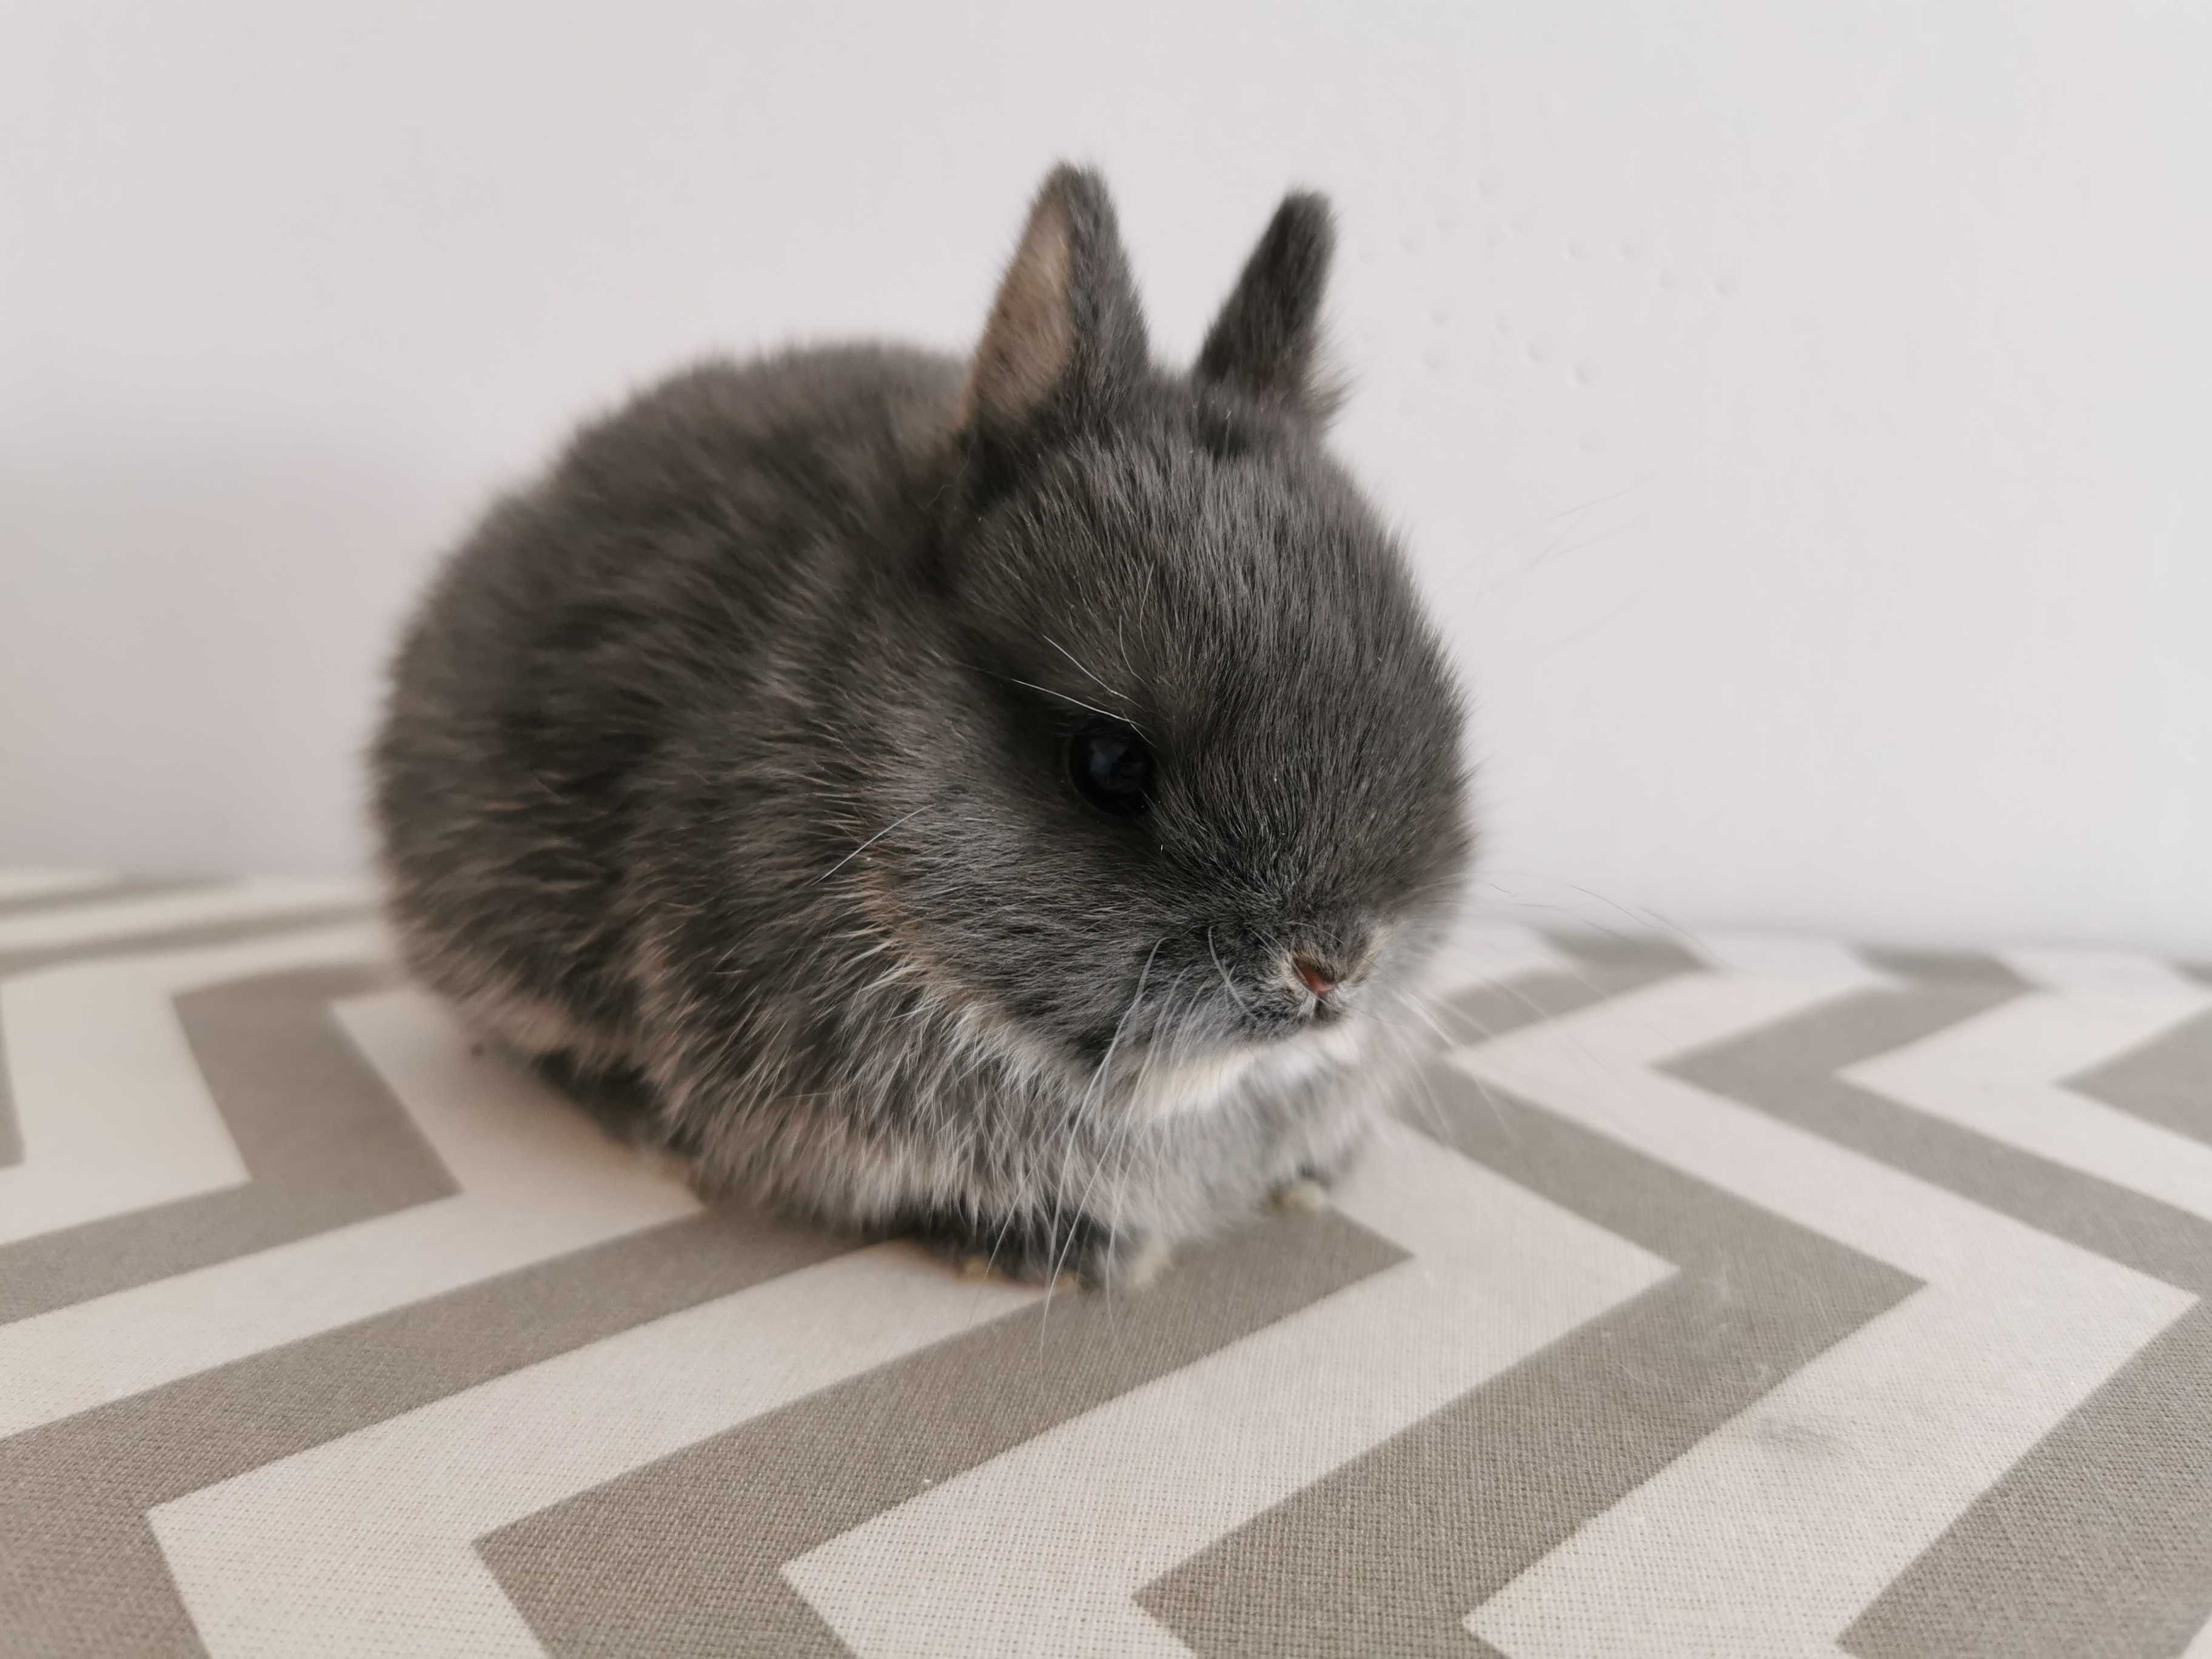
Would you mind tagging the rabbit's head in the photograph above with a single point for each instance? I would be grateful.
(1185, 768)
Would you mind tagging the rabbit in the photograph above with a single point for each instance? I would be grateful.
(1014, 804)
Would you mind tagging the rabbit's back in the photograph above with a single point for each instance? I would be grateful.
(678, 549)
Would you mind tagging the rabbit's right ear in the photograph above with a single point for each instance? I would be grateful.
(1266, 341)
(1066, 331)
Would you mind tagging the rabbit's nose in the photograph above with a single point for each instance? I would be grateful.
(1316, 976)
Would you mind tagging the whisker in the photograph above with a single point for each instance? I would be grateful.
(1236, 995)
(1047, 691)
(1075, 1114)
(870, 841)
(1123, 1134)
(1081, 670)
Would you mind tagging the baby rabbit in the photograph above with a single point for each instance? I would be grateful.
(1011, 802)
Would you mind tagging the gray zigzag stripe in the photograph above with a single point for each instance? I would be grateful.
(1601, 970)
(107, 892)
(175, 939)
(1389, 1552)
(2062, 1558)
(11, 1138)
(2167, 1082)
(323, 1140)
(227, 931)
(81, 1575)
(1945, 967)
(683, 1557)
(1352, 1564)
(2097, 1544)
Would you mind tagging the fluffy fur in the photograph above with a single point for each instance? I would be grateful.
(723, 771)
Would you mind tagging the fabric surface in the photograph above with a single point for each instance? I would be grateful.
(1717, 1298)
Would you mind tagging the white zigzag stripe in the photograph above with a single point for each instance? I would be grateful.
(112, 1112)
(1485, 952)
(1167, 1469)
(2097, 970)
(253, 1555)
(1999, 1074)
(538, 1182)
(2014, 1329)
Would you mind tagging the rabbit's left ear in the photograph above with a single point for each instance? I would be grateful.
(1266, 343)
(1066, 332)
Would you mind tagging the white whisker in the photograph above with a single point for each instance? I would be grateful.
(867, 844)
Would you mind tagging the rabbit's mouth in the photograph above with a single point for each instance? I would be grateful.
(1210, 1011)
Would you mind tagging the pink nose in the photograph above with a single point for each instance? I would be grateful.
(1316, 976)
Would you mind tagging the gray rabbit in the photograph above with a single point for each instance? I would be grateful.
(1014, 803)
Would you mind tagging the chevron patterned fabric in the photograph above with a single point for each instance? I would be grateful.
(1717, 1298)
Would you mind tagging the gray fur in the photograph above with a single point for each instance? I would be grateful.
(722, 769)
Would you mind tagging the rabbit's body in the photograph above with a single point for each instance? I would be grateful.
(1010, 802)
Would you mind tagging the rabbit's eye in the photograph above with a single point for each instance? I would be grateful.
(1111, 769)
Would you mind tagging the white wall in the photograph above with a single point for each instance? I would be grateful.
(1800, 413)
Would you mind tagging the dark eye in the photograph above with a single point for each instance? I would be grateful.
(1111, 769)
